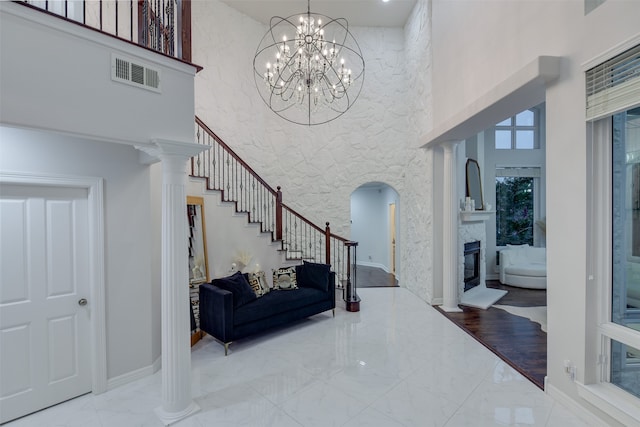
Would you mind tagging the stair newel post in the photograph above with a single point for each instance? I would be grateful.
(279, 214)
(350, 295)
(327, 244)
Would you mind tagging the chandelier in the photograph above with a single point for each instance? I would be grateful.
(308, 69)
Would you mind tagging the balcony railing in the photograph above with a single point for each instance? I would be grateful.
(161, 25)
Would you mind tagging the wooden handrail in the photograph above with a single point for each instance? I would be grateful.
(234, 155)
(302, 218)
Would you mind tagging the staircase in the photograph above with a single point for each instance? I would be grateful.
(300, 239)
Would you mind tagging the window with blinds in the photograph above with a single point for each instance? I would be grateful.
(614, 85)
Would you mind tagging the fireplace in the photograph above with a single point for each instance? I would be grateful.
(471, 265)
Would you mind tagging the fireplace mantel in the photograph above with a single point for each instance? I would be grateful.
(474, 216)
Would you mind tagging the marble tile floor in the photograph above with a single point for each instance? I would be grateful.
(398, 362)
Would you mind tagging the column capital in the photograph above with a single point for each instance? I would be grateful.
(451, 144)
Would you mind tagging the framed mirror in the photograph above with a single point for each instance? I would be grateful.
(474, 183)
(198, 264)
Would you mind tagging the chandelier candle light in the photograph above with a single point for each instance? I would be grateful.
(308, 69)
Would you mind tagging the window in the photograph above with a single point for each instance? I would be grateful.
(515, 205)
(519, 132)
(612, 382)
(625, 257)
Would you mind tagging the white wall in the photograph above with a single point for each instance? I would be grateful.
(319, 167)
(495, 40)
(45, 60)
(129, 287)
(229, 233)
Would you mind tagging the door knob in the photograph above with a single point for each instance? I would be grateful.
(82, 301)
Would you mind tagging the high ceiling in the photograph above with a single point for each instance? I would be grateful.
(367, 13)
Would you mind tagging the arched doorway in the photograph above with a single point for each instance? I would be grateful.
(375, 226)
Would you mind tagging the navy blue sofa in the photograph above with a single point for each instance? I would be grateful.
(227, 321)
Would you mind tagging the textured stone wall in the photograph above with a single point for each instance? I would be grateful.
(319, 167)
(417, 196)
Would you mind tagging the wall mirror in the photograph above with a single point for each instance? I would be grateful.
(198, 266)
(474, 183)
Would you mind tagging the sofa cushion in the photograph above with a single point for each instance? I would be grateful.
(285, 278)
(518, 253)
(277, 302)
(313, 275)
(258, 283)
(238, 285)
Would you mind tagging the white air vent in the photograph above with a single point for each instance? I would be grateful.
(133, 73)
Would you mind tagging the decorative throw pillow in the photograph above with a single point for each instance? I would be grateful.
(313, 275)
(259, 283)
(238, 285)
(285, 278)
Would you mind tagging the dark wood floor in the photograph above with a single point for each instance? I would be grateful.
(516, 340)
(372, 277)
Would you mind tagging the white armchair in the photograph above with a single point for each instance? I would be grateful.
(524, 266)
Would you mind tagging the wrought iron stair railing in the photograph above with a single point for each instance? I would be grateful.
(300, 239)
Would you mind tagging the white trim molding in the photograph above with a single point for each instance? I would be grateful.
(616, 403)
(587, 416)
(123, 379)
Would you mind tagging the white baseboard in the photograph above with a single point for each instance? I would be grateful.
(123, 379)
(437, 301)
(157, 364)
(573, 406)
(373, 264)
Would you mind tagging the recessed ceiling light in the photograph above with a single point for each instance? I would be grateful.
(385, 1)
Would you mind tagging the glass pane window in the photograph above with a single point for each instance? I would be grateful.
(525, 118)
(524, 139)
(503, 139)
(519, 132)
(514, 210)
(625, 258)
(625, 367)
(625, 295)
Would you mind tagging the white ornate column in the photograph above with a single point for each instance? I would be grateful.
(177, 402)
(450, 228)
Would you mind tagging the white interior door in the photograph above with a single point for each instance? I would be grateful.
(44, 318)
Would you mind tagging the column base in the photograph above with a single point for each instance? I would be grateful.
(168, 418)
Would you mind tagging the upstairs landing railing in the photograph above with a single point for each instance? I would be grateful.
(238, 183)
(161, 25)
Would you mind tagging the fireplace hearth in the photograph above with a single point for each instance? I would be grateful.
(471, 265)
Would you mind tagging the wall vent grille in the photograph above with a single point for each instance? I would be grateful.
(135, 74)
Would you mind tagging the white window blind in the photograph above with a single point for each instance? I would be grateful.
(515, 172)
(614, 85)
